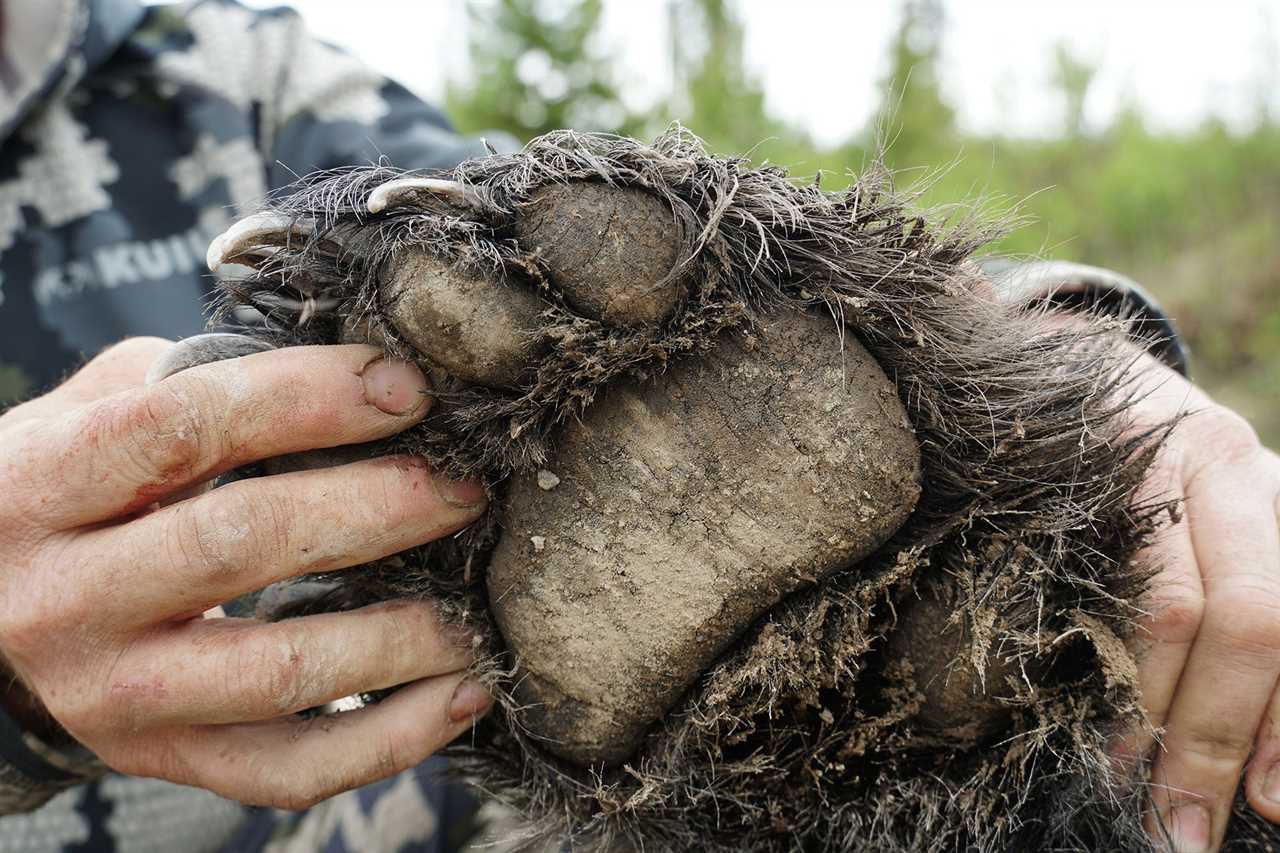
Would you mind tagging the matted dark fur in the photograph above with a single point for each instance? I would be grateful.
(803, 736)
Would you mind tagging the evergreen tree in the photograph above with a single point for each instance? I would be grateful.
(919, 122)
(1073, 76)
(537, 66)
(717, 96)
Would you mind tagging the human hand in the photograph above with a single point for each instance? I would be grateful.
(1211, 657)
(102, 589)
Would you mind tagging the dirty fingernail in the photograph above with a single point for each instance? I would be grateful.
(466, 494)
(1271, 785)
(395, 387)
(469, 700)
(1188, 826)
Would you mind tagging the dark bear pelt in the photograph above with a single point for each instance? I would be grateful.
(948, 682)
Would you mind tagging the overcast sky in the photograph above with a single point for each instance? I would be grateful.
(821, 60)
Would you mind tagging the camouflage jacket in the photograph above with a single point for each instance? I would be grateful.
(131, 136)
(140, 134)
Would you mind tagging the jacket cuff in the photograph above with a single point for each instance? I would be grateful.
(32, 771)
(1081, 287)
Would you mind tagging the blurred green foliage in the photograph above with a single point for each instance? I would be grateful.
(13, 383)
(1194, 215)
(543, 69)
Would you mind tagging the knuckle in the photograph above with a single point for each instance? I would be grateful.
(1249, 621)
(1176, 615)
(232, 530)
(131, 703)
(390, 635)
(380, 501)
(1234, 438)
(396, 496)
(19, 538)
(31, 626)
(28, 626)
(272, 524)
(130, 762)
(1216, 751)
(405, 618)
(38, 608)
(13, 479)
(160, 433)
(274, 674)
(109, 702)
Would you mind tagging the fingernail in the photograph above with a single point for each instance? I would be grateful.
(395, 387)
(1188, 826)
(1271, 785)
(466, 494)
(469, 701)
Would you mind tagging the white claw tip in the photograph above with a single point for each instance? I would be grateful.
(214, 256)
(253, 235)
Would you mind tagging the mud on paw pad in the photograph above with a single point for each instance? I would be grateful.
(799, 540)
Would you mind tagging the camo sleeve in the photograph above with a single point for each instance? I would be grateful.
(1072, 285)
(319, 107)
(32, 771)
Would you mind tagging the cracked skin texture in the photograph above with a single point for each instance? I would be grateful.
(689, 505)
(611, 251)
(476, 329)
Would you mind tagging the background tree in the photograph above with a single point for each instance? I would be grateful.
(920, 123)
(538, 66)
(714, 92)
(1073, 76)
(1192, 213)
